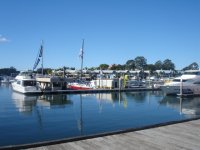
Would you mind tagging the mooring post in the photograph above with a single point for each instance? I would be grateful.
(181, 87)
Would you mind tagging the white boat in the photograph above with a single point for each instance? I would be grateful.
(189, 81)
(26, 84)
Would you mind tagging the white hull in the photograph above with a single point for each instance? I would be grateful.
(190, 81)
(25, 90)
(25, 83)
(186, 89)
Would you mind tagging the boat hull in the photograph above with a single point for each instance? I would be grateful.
(174, 90)
(25, 90)
(74, 87)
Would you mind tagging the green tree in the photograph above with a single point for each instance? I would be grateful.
(158, 65)
(140, 62)
(103, 66)
(150, 67)
(193, 66)
(8, 71)
(168, 65)
(93, 68)
(117, 67)
(130, 65)
(120, 67)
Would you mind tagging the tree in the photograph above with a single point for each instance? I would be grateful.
(158, 65)
(168, 65)
(140, 62)
(120, 67)
(92, 68)
(193, 66)
(117, 67)
(103, 66)
(130, 65)
(8, 71)
(45, 70)
(150, 67)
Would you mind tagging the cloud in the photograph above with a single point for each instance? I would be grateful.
(3, 39)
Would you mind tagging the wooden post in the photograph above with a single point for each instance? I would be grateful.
(120, 84)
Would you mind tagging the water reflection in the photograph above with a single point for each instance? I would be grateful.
(60, 100)
(70, 115)
(112, 98)
(137, 96)
(25, 104)
(5, 84)
(186, 106)
(80, 120)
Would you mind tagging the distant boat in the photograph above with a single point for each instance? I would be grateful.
(25, 83)
(190, 84)
(5, 79)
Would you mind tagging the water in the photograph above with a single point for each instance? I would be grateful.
(28, 119)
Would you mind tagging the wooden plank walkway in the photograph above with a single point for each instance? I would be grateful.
(184, 135)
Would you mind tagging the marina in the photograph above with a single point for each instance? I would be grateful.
(55, 117)
(86, 75)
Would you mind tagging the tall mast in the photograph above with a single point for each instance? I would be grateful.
(42, 55)
(81, 55)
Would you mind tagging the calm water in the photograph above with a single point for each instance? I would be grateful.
(27, 119)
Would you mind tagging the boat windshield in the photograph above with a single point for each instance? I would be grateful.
(179, 80)
(192, 73)
(29, 83)
(197, 82)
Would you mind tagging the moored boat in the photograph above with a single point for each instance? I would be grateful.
(80, 86)
(189, 82)
(25, 83)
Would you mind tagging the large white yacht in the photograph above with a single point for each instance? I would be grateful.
(25, 83)
(189, 82)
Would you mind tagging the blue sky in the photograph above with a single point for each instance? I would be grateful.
(114, 31)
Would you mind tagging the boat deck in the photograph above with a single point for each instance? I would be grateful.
(184, 135)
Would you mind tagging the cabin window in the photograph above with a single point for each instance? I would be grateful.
(29, 83)
(178, 80)
(198, 82)
(18, 82)
(56, 84)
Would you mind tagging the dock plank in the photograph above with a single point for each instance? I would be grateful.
(177, 136)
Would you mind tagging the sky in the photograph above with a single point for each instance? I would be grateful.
(114, 31)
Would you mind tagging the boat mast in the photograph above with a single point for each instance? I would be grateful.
(42, 55)
(81, 55)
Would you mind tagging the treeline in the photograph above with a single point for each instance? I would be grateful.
(140, 63)
(8, 71)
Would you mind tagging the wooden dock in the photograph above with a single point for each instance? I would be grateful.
(178, 136)
(98, 91)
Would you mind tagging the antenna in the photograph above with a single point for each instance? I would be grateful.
(42, 52)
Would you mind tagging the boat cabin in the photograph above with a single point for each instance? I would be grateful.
(52, 83)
